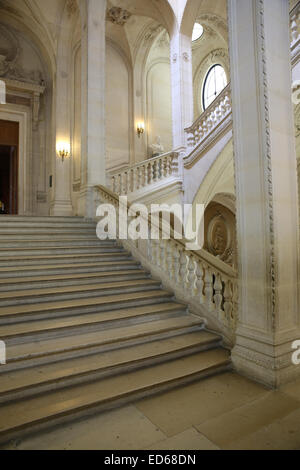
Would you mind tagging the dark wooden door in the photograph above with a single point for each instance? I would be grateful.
(9, 166)
(13, 183)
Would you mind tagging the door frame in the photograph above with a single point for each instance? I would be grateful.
(22, 115)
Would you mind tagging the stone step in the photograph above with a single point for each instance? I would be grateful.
(35, 296)
(40, 379)
(89, 235)
(43, 218)
(24, 261)
(80, 343)
(59, 406)
(56, 250)
(62, 308)
(18, 333)
(67, 269)
(48, 243)
(14, 226)
(40, 282)
(48, 231)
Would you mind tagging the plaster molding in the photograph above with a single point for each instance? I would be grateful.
(262, 70)
(118, 16)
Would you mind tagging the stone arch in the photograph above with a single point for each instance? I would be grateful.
(37, 33)
(203, 11)
(126, 65)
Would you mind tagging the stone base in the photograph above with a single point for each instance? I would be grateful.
(88, 202)
(268, 364)
(61, 209)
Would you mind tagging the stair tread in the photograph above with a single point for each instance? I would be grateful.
(62, 304)
(16, 329)
(45, 346)
(80, 288)
(58, 266)
(63, 256)
(25, 412)
(55, 277)
(46, 373)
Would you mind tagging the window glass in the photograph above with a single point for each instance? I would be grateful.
(197, 32)
(214, 83)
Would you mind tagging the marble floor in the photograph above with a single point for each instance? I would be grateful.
(222, 412)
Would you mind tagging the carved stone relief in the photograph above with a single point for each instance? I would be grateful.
(219, 226)
(71, 7)
(10, 60)
(118, 16)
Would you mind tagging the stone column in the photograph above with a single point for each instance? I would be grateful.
(61, 204)
(182, 87)
(266, 190)
(93, 168)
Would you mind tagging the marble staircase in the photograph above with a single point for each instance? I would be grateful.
(86, 328)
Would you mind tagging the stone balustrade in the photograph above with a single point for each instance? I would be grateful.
(207, 284)
(145, 174)
(295, 25)
(210, 119)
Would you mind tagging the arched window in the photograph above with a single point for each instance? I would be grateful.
(197, 32)
(214, 83)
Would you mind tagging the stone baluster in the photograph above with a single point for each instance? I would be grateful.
(176, 264)
(138, 177)
(134, 179)
(294, 28)
(120, 183)
(169, 165)
(155, 252)
(208, 289)
(183, 273)
(155, 171)
(218, 112)
(162, 256)
(191, 276)
(170, 260)
(191, 139)
(228, 304)
(204, 127)
(200, 282)
(218, 297)
(196, 136)
(125, 182)
(150, 173)
(113, 184)
(227, 103)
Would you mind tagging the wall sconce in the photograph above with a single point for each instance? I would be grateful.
(140, 129)
(63, 150)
